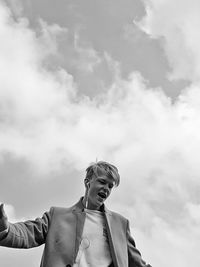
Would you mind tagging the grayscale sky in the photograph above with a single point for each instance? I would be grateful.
(108, 80)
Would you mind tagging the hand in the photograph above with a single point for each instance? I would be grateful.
(3, 219)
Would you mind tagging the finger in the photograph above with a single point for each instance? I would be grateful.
(2, 212)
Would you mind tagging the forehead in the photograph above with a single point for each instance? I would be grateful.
(102, 174)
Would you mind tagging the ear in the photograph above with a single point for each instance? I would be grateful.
(87, 183)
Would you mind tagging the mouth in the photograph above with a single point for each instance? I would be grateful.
(102, 195)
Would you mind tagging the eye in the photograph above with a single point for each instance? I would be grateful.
(110, 186)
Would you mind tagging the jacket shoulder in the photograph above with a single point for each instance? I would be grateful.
(60, 210)
(118, 216)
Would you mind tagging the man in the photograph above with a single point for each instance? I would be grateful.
(86, 234)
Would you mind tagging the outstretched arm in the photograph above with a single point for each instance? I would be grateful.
(3, 219)
(3, 222)
(26, 234)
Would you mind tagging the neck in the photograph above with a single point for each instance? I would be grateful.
(85, 201)
(88, 205)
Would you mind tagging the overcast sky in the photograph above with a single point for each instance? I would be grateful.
(108, 80)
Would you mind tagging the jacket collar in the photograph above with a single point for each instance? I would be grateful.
(79, 207)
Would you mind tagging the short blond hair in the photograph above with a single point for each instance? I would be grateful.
(103, 166)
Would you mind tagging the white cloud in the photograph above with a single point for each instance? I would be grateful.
(177, 24)
(154, 143)
(16, 7)
(87, 57)
(171, 246)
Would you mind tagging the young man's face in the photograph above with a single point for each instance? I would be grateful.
(99, 189)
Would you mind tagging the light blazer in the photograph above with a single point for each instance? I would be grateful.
(60, 230)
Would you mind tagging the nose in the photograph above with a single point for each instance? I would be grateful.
(106, 188)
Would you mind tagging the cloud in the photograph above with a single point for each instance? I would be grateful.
(29, 92)
(176, 24)
(16, 7)
(177, 244)
(154, 143)
(87, 57)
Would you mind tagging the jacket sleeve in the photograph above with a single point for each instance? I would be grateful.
(134, 256)
(28, 234)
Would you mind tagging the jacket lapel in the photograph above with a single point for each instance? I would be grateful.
(116, 228)
(78, 210)
(109, 226)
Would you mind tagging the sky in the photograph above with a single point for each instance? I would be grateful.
(109, 80)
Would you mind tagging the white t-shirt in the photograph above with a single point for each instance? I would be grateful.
(94, 248)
